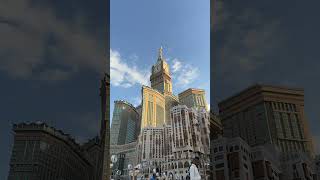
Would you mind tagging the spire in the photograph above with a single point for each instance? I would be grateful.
(160, 57)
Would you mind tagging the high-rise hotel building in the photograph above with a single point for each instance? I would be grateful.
(124, 132)
(157, 100)
(172, 147)
(173, 129)
(268, 114)
(125, 124)
(190, 135)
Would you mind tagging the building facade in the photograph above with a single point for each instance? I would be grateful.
(158, 99)
(190, 137)
(171, 148)
(317, 166)
(160, 78)
(125, 125)
(193, 98)
(216, 131)
(265, 162)
(231, 159)
(153, 108)
(268, 114)
(126, 155)
(105, 127)
(92, 151)
(297, 165)
(42, 152)
(171, 133)
(234, 159)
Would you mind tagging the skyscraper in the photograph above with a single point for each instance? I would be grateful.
(158, 99)
(268, 114)
(171, 133)
(105, 127)
(125, 125)
(160, 77)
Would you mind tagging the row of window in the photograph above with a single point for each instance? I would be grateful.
(284, 106)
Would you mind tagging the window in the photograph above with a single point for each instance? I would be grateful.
(231, 148)
(220, 165)
(236, 174)
(218, 157)
(245, 158)
(220, 148)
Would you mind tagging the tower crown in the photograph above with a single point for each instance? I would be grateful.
(160, 55)
(160, 77)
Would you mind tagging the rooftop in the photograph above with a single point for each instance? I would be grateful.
(266, 88)
(191, 90)
(41, 126)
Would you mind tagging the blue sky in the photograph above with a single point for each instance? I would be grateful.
(139, 28)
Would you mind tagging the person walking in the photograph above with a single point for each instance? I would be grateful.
(176, 176)
(170, 176)
(153, 177)
(193, 170)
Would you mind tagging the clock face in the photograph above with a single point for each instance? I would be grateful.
(157, 69)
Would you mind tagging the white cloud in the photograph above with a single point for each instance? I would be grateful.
(187, 75)
(176, 65)
(136, 101)
(183, 73)
(124, 75)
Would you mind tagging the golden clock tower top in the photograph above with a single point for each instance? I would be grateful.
(160, 77)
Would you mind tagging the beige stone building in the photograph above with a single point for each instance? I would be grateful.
(164, 143)
(268, 114)
(190, 137)
(235, 159)
(158, 99)
(153, 108)
(193, 98)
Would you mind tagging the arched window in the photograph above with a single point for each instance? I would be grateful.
(186, 164)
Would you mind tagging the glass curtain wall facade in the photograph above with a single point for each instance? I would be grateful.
(125, 124)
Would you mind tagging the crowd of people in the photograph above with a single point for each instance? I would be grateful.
(192, 174)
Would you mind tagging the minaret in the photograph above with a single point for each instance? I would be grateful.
(105, 126)
(160, 77)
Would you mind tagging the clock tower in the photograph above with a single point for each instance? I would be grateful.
(160, 77)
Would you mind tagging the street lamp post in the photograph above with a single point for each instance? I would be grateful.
(114, 159)
(130, 171)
